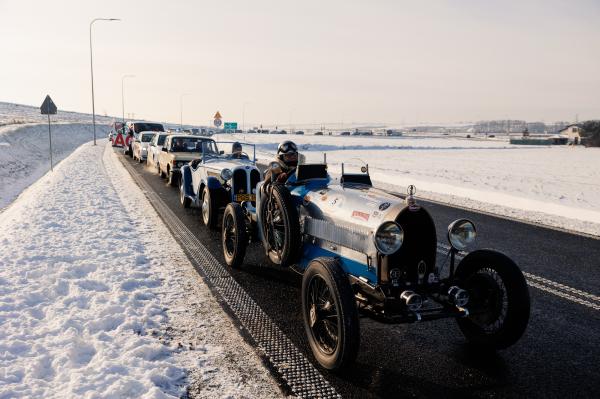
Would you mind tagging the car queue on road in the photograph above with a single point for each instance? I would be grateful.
(360, 250)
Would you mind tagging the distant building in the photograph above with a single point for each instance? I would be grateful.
(573, 132)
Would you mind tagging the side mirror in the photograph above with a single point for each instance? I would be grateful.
(221, 152)
(165, 149)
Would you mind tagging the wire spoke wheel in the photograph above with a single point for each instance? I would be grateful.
(229, 234)
(489, 299)
(324, 317)
(499, 302)
(205, 206)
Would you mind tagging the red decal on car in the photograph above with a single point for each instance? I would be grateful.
(360, 215)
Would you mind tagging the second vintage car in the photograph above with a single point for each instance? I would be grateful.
(217, 179)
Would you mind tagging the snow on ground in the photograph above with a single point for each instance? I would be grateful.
(553, 185)
(18, 114)
(25, 155)
(98, 300)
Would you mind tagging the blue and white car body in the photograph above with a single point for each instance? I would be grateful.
(228, 177)
(362, 249)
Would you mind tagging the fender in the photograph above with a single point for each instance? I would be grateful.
(186, 176)
(213, 183)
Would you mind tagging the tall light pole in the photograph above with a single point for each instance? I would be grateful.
(123, 98)
(181, 109)
(92, 70)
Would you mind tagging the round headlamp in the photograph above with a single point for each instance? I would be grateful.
(389, 237)
(226, 174)
(461, 234)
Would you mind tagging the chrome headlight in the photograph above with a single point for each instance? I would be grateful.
(461, 234)
(389, 237)
(226, 174)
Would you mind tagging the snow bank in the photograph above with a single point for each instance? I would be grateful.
(97, 299)
(552, 185)
(24, 152)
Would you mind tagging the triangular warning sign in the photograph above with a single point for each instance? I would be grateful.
(48, 107)
(119, 141)
(218, 115)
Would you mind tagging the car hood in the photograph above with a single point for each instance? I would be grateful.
(220, 164)
(185, 156)
(353, 204)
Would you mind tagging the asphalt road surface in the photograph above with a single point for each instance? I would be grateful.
(559, 355)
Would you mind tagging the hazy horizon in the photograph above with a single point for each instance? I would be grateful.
(387, 62)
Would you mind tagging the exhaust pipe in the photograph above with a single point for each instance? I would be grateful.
(458, 296)
(412, 301)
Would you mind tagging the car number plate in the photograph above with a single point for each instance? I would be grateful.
(245, 197)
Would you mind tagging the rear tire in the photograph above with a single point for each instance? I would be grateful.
(234, 236)
(281, 227)
(499, 303)
(330, 314)
(209, 208)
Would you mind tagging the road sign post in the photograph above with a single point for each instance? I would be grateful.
(49, 108)
(217, 119)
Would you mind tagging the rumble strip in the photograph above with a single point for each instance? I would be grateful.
(549, 286)
(303, 379)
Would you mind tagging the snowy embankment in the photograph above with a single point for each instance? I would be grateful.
(98, 300)
(25, 155)
(553, 185)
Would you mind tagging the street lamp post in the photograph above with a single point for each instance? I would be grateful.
(181, 109)
(92, 70)
(123, 98)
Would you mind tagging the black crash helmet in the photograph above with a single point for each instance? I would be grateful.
(286, 151)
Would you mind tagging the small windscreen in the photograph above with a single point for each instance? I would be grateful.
(161, 139)
(146, 138)
(311, 171)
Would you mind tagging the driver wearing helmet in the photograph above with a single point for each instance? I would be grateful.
(287, 158)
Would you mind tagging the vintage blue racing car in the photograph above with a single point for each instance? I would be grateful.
(363, 250)
(218, 178)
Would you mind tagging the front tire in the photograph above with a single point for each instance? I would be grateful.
(209, 208)
(234, 236)
(499, 303)
(172, 178)
(330, 314)
(185, 201)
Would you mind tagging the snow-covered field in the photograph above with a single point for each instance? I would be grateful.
(98, 300)
(553, 185)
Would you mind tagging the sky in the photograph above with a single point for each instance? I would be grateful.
(307, 62)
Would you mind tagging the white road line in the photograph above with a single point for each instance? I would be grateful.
(549, 286)
(564, 295)
(543, 280)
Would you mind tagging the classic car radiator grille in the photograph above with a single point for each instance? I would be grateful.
(240, 182)
(254, 178)
(344, 236)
